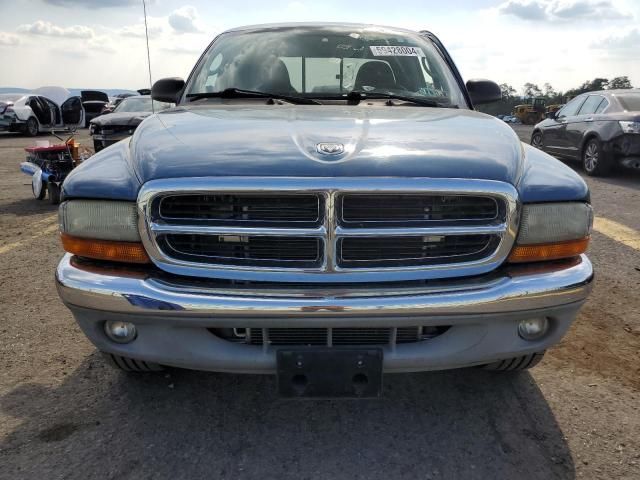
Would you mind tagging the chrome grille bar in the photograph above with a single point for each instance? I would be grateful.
(329, 191)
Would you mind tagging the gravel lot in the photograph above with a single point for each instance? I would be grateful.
(65, 414)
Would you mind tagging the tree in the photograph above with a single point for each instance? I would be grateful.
(507, 91)
(589, 86)
(619, 83)
(531, 90)
(549, 91)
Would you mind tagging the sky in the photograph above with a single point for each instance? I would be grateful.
(100, 43)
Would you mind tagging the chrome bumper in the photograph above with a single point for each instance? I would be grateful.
(173, 319)
(517, 291)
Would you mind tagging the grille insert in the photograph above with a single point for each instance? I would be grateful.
(245, 250)
(321, 336)
(243, 209)
(360, 252)
(363, 210)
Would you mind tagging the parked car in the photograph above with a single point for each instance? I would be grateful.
(278, 222)
(123, 121)
(39, 111)
(114, 102)
(600, 129)
(93, 102)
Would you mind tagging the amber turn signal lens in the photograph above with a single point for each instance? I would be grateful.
(129, 252)
(548, 251)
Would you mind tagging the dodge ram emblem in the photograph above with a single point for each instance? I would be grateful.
(330, 148)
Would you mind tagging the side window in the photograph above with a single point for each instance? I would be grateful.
(590, 105)
(571, 108)
(603, 104)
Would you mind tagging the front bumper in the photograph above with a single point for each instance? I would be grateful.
(173, 318)
(104, 141)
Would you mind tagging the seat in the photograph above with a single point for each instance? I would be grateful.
(276, 78)
(375, 75)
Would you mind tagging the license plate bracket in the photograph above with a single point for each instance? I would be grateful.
(330, 372)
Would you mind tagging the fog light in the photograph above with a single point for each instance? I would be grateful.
(120, 332)
(533, 328)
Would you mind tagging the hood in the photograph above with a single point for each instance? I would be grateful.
(93, 95)
(282, 140)
(124, 118)
(57, 94)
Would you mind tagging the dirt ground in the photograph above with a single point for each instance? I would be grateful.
(65, 414)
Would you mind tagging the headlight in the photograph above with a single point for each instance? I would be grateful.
(102, 229)
(630, 127)
(549, 231)
(92, 128)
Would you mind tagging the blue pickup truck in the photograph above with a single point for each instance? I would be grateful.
(324, 204)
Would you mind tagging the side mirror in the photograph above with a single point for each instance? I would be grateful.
(167, 90)
(483, 91)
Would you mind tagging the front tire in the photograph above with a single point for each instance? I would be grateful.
(54, 193)
(594, 161)
(31, 129)
(514, 364)
(536, 140)
(131, 365)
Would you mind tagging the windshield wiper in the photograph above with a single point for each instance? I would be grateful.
(240, 93)
(359, 95)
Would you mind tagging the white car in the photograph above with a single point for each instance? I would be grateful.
(39, 111)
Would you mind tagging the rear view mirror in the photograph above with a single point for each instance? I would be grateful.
(483, 91)
(167, 90)
(71, 111)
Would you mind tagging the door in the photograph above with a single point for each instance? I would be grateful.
(583, 122)
(72, 113)
(41, 111)
(566, 116)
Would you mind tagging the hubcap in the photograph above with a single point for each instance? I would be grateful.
(537, 141)
(591, 157)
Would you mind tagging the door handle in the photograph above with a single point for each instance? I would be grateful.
(590, 119)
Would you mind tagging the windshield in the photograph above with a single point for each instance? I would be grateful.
(630, 101)
(140, 105)
(326, 62)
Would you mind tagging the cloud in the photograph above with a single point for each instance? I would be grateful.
(182, 50)
(8, 39)
(137, 31)
(185, 20)
(93, 3)
(42, 27)
(563, 10)
(628, 41)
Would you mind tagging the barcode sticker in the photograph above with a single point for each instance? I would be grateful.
(396, 51)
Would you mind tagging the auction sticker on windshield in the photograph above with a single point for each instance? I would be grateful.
(397, 51)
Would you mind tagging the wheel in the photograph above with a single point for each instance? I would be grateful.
(31, 128)
(131, 365)
(54, 193)
(517, 363)
(594, 160)
(536, 140)
(38, 187)
(530, 119)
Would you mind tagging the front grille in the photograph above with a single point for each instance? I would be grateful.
(340, 336)
(358, 230)
(416, 250)
(245, 250)
(243, 209)
(360, 210)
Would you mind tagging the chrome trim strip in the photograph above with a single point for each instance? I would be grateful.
(248, 231)
(330, 188)
(522, 290)
(421, 231)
